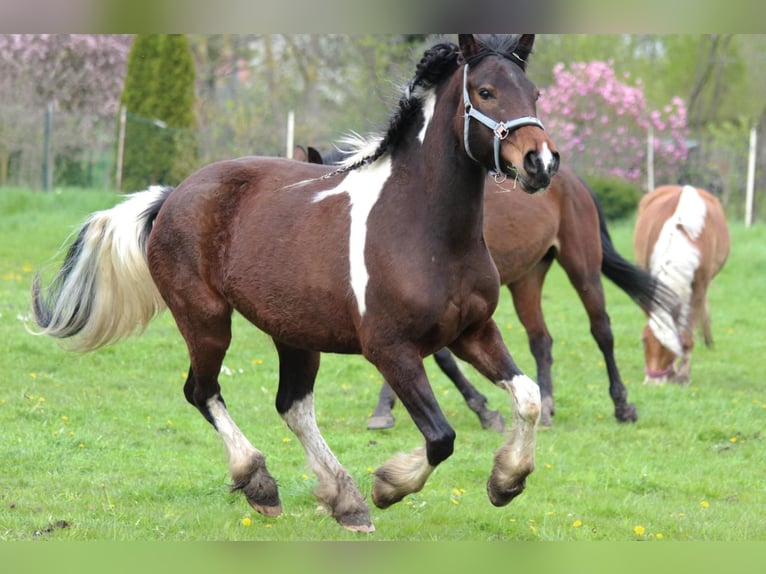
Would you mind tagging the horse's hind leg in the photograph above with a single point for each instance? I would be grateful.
(382, 418)
(590, 289)
(295, 404)
(477, 402)
(207, 330)
(483, 347)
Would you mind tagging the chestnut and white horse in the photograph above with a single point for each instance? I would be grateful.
(682, 238)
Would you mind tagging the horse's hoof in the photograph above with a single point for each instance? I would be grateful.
(358, 521)
(502, 497)
(626, 413)
(260, 490)
(492, 420)
(547, 410)
(380, 422)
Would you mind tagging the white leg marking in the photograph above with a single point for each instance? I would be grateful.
(404, 474)
(301, 420)
(363, 187)
(517, 455)
(336, 489)
(239, 449)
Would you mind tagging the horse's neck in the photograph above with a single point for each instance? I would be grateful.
(442, 175)
(452, 182)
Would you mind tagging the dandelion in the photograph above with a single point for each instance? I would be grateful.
(286, 439)
(577, 523)
(305, 476)
(659, 536)
(246, 522)
(733, 439)
(639, 530)
(705, 504)
(81, 445)
(64, 418)
(169, 422)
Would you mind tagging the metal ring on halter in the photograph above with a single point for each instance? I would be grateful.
(499, 129)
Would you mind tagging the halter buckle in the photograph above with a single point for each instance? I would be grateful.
(501, 132)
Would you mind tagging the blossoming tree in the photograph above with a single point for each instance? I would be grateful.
(601, 124)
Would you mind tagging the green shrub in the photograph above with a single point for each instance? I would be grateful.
(619, 198)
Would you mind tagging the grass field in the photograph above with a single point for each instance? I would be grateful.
(103, 446)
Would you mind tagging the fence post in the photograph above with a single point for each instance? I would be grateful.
(650, 159)
(290, 134)
(120, 148)
(750, 178)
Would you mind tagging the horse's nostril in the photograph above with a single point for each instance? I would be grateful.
(532, 163)
(555, 163)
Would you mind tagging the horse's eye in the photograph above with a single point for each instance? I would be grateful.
(484, 93)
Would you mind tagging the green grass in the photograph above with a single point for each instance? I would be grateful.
(103, 446)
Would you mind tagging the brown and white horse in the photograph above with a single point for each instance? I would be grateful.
(525, 234)
(383, 256)
(681, 238)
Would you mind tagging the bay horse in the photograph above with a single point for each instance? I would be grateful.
(682, 238)
(525, 234)
(383, 256)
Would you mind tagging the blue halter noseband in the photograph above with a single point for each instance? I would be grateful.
(500, 129)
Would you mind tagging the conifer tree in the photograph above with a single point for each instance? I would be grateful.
(160, 146)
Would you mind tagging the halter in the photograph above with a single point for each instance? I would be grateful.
(658, 374)
(500, 129)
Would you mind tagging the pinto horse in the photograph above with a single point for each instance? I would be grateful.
(524, 234)
(382, 257)
(682, 238)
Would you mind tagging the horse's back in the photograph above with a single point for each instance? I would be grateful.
(236, 232)
(710, 234)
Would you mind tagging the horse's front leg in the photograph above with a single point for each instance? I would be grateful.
(483, 348)
(406, 473)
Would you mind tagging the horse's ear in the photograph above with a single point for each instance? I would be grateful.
(469, 46)
(314, 156)
(299, 153)
(524, 48)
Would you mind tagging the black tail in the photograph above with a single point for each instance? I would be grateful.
(647, 291)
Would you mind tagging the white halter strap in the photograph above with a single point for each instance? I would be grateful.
(500, 129)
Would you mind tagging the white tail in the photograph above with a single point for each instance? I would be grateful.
(103, 291)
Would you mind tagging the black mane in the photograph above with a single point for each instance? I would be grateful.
(502, 45)
(437, 63)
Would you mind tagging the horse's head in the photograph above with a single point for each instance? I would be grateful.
(658, 359)
(500, 128)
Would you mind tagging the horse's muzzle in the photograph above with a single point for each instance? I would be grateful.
(540, 168)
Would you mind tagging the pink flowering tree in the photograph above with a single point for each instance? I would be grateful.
(78, 75)
(601, 124)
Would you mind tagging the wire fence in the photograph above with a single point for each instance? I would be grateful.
(54, 149)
